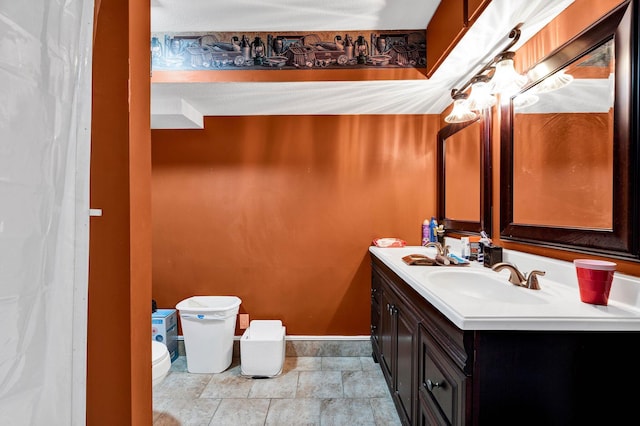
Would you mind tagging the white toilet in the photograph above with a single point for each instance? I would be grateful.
(160, 361)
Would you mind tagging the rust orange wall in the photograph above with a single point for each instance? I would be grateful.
(280, 211)
(118, 341)
(139, 143)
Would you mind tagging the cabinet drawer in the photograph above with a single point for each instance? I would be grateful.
(441, 387)
(428, 414)
(441, 380)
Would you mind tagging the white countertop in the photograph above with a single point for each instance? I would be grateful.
(556, 306)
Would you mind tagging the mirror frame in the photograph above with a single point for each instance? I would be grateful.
(622, 240)
(485, 179)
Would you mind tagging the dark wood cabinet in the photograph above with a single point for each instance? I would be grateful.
(441, 375)
(405, 338)
(399, 340)
(396, 342)
(386, 331)
(442, 384)
(428, 415)
(376, 293)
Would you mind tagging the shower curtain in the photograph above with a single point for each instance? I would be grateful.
(45, 122)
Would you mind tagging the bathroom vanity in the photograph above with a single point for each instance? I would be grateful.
(454, 354)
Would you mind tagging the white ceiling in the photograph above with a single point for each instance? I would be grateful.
(290, 15)
(183, 105)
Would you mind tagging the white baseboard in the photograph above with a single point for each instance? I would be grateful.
(305, 338)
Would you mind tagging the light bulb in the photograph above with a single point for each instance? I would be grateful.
(460, 112)
(480, 97)
(506, 79)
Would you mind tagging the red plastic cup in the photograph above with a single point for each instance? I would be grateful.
(594, 280)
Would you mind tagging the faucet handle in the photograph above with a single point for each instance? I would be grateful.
(532, 279)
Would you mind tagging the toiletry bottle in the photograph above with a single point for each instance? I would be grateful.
(425, 232)
(433, 226)
(474, 247)
(440, 234)
(465, 247)
(485, 241)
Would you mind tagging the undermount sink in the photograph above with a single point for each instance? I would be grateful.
(484, 286)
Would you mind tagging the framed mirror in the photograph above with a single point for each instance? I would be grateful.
(464, 175)
(569, 153)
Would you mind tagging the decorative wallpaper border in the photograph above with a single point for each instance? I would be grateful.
(292, 50)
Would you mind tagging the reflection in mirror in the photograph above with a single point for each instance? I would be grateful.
(568, 151)
(464, 178)
(563, 146)
(461, 173)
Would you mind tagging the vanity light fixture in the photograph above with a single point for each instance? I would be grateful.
(506, 79)
(498, 76)
(460, 112)
(481, 97)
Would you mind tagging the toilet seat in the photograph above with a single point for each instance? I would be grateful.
(160, 361)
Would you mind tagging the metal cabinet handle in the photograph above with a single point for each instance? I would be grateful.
(432, 385)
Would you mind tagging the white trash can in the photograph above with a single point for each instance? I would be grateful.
(208, 326)
(262, 349)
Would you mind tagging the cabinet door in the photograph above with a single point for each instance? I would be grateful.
(442, 383)
(386, 336)
(376, 292)
(375, 325)
(406, 325)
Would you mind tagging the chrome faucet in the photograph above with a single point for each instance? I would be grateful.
(516, 277)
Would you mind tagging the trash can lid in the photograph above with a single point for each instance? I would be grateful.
(209, 303)
(266, 330)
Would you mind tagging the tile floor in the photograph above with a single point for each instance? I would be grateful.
(310, 391)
